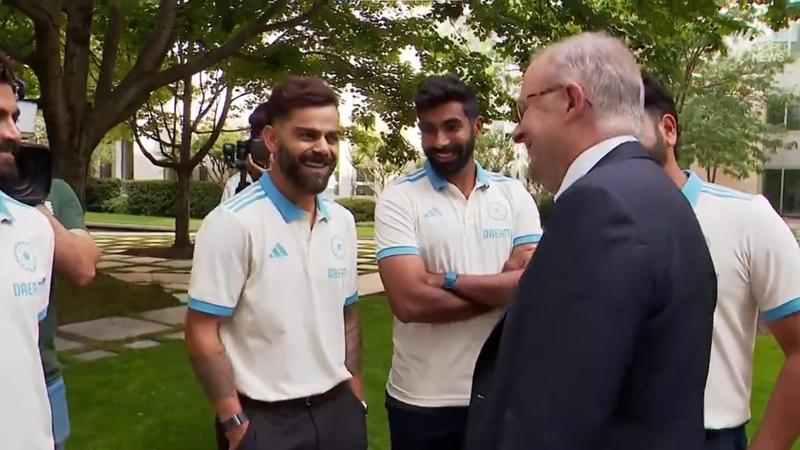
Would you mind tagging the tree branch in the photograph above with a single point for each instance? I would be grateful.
(147, 154)
(76, 56)
(155, 49)
(237, 41)
(113, 37)
(223, 116)
(205, 108)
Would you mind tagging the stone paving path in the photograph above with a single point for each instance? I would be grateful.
(103, 338)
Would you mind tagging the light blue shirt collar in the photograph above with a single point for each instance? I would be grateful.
(439, 183)
(691, 190)
(289, 210)
(5, 214)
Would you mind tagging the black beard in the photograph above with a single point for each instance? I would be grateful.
(8, 167)
(293, 169)
(464, 154)
(658, 151)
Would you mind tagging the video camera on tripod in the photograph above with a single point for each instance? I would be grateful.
(235, 157)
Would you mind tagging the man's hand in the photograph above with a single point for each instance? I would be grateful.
(519, 260)
(236, 435)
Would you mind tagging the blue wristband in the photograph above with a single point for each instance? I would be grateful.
(450, 280)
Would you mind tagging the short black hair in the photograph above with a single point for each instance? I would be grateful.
(658, 101)
(297, 92)
(437, 90)
(259, 119)
(7, 73)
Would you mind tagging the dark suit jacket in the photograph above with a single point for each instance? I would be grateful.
(606, 345)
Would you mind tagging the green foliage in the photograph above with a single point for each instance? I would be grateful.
(494, 150)
(157, 197)
(363, 208)
(117, 205)
(369, 153)
(101, 190)
(721, 123)
(544, 203)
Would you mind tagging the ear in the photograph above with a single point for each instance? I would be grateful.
(477, 126)
(576, 100)
(669, 130)
(270, 136)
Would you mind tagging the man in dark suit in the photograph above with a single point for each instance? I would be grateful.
(606, 346)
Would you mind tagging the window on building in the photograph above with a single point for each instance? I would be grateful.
(782, 188)
(779, 113)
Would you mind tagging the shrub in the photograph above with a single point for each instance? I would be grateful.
(117, 205)
(363, 208)
(157, 198)
(544, 202)
(101, 190)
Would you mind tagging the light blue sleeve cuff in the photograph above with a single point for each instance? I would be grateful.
(42, 314)
(210, 308)
(397, 251)
(527, 239)
(351, 300)
(782, 311)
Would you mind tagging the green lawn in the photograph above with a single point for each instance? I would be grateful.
(365, 230)
(130, 219)
(149, 399)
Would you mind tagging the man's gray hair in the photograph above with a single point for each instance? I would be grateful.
(608, 73)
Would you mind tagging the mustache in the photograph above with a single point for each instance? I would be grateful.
(449, 148)
(8, 146)
(316, 157)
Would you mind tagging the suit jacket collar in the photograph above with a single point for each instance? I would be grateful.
(587, 160)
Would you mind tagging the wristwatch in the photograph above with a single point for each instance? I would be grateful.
(235, 421)
(450, 280)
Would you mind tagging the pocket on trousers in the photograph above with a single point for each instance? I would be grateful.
(249, 441)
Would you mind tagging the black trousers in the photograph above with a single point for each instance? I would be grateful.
(416, 428)
(337, 422)
(728, 439)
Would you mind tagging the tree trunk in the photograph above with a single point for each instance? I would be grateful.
(182, 209)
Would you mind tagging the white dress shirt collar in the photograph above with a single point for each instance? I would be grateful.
(588, 159)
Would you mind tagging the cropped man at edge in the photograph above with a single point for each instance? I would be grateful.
(26, 246)
(452, 240)
(272, 330)
(757, 260)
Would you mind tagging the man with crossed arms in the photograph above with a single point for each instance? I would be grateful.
(452, 241)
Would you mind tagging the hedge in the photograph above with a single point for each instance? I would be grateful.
(544, 202)
(363, 208)
(101, 190)
(151, 198)
(157, 198)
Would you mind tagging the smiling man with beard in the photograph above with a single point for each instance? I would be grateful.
(27, 245)
(452, 240)
(272, 329)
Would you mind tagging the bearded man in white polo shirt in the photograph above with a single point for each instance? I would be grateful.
(452, 241)
(272, 329)
(27, 245)
(757, 260)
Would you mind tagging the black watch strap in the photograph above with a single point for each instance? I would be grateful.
(235, 421)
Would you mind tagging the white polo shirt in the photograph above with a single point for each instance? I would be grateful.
(283, 285)
(422, 214)
(233, 182)
(26, 246)
(757, 260)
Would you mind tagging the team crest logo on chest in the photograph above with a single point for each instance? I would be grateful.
(498, 211)
(338, 249)
(23, 253)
